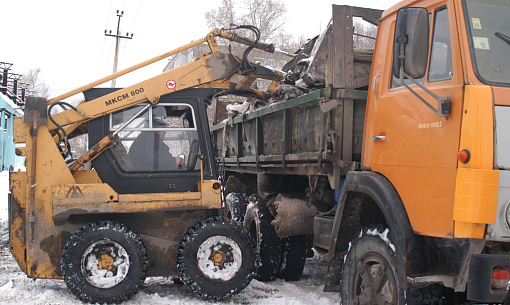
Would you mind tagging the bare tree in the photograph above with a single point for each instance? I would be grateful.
(36, 86)
(366, 34)
(288, 43)
(267, 15)
(221, 17)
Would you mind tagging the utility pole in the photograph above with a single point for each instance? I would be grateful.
(118, 36)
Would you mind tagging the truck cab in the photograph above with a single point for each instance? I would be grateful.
(435, 128)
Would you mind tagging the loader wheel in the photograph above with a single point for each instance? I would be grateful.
(370, 270)
(216, 258)
(293, 257)
(258, 222)
(236, 205)
(104, 262)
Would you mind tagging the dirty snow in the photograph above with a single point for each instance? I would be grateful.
(383, 236)
(16, 288)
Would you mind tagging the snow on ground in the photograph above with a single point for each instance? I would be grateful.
(17, 288)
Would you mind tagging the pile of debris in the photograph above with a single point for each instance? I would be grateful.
(307, 72)
(303, 73)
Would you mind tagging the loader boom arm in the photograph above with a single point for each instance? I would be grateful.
(213, 70)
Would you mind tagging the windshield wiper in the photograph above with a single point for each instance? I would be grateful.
(503, 37)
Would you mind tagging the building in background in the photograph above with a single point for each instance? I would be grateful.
(12, 98)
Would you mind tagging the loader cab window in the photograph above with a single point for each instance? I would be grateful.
(158, 140)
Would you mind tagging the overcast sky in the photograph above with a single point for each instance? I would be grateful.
(66, 40)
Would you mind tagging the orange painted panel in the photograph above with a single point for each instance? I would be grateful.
(501, 95)
(476, 195)
(428, 196)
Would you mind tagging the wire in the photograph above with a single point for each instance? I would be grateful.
(136, 15)
(67, 145)
(245, 65)
(101, 58)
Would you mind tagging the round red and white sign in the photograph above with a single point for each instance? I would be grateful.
(171, 84)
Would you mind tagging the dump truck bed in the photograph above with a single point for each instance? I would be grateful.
(302, 135)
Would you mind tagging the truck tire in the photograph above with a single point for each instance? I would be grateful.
(258, 222)
(435, 294)
(104, 262)
(236, 204)
(216, 258)
(293, 257)
(370, 270)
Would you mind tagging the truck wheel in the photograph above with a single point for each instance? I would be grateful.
(294, 250)
(435, 294)
(236, 206)
(216, 258)
(104, 262)
(258, 222)
(370, 270)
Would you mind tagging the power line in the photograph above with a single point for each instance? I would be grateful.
(104, 42)
(118, 37)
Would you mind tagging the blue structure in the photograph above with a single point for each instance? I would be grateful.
(8, 110)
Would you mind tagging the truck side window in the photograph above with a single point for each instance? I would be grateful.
(440, 67)
(159, 140)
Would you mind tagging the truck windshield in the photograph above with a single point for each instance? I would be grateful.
(489, 32)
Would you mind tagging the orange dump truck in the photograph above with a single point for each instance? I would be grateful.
(397, 164)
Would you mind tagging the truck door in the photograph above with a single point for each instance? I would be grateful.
(405, 140)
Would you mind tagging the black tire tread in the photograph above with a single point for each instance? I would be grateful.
(78, 237)
(236, 204)
(435, 294)
(295, 257)
(191, 281)
(267, 242)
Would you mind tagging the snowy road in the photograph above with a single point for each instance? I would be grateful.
(16, 288)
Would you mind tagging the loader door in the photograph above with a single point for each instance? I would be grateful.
(152, 153)
(405, 140)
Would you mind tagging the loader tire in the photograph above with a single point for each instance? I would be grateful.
(216, 258)
(293, 257)
(258, 222)
(370, 272)
(236, 204)
(104, 262)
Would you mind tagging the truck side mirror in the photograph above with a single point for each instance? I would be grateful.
(411, 47)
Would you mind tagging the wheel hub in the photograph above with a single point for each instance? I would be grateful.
(375, 282)
(105, 262)
(218, 257)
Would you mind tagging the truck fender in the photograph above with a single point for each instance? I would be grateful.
(349, 219)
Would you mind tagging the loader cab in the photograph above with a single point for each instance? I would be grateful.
(154, 153)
